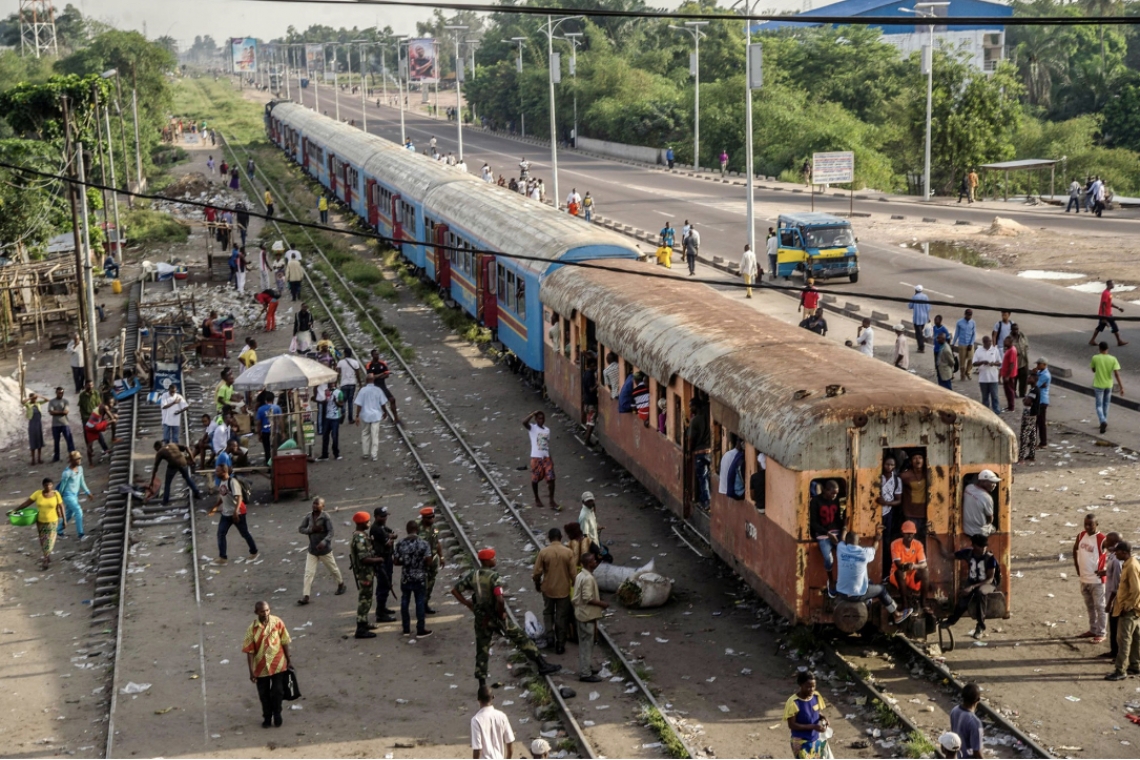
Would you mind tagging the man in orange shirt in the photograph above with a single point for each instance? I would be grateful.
(266, 648)
(908, 557)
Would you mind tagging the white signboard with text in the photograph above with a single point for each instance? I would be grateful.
(832, 168)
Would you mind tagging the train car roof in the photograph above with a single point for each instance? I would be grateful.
(512, 224)
(774, 375)
(352, 144)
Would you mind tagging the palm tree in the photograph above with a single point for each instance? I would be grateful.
(1101, 8)
(1040, 57)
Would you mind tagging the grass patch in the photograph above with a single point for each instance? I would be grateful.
(803, 639)
(918, 744)
(540, 692)
(361, 272)
(653, 718)
(221, 106)
(884, 715)
(146, 226)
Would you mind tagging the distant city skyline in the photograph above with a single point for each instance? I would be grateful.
(185, 20)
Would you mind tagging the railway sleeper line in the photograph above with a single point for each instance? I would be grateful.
(431, 474)
(832, 653)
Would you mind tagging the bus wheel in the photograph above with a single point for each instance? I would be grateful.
(855, 277)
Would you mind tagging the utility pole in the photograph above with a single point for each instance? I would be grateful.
(88, 274)
(555, 75)
(77, 235)
(694, 28)
(574, 43)
(456, 29)
(111, 160)
(518, 68)
(138, 142)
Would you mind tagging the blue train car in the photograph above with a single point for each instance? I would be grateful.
(500, 290)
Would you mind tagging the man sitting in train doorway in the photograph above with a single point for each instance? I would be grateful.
(826, 520)
(908, 567)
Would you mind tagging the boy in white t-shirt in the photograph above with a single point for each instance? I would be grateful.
(541, 465)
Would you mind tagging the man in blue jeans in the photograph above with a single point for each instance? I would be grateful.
(1104, 367)
(987, 361)
(826, 519)
(177, 460)
(230, 497)
(853, 583)
(59, 409)
(412, 554)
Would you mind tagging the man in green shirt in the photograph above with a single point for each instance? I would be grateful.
(1104, 367)
(89, 401)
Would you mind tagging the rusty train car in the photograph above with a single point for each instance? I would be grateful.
(816, 410)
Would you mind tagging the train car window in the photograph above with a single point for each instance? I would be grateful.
(660, 393)
(511, 292)
(757, 477)
(502, 290)
(815, 488)
(718, 444)
(969, 478)
(520, 308)
(679, 421)
(788, 238)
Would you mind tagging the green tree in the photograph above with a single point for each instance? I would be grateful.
(32, 209)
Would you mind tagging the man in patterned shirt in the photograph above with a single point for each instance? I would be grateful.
(413, 554)
(486, 587)
(363, 561)
(429, 532)
(266, 648)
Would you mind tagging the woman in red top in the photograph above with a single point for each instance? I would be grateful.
(1008, 373)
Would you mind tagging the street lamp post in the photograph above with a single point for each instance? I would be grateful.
(518, 68)
(572, 38)
(455, 29)
(363, 102)
(927, 10)
(748, 8)
(551, 25)
(694, 28)
(472, 43)
(401, 68)
(336, 80)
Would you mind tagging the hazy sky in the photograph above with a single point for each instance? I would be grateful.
(183, 19)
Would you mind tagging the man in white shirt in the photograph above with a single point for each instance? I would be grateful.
(865, 339)
(726, 461)
(491, 734)
(987, 361)
(292, 254)
(75, 358)
(612, 374)
(369, 412)
(978, 504)
(173, 405)
(486, 173)
(902, 348)
(461, 165)
(748, 269)
(348, 368)
(219, 432)
(541, 464)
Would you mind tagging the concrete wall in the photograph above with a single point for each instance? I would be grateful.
(620, 150)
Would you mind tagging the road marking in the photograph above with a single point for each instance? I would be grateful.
(927, 290)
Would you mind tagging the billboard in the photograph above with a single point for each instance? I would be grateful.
(314, 58)
(244, 54)
(832, 168)
(423, 63)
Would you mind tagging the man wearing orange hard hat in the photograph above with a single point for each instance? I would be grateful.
(486, 587)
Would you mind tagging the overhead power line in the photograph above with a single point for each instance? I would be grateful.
(531, 10)
(523, 257)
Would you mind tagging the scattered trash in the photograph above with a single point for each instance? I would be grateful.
(135, 688)
(594, 696)
(163, 711)
(723, 708)
(1073, 699)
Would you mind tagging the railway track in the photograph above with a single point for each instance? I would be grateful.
(632, 687)
(129, 526)
(867, 678)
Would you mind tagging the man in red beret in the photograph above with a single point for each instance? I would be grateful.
(429, 532)
(486, 587)
(363, 561)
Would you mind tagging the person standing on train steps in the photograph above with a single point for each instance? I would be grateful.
(809, 297)
(1089, 560)
(826, 520)
(1106, 319)
(541, 464)
(692, 250)
(853, 583)
(966, 724)
(902, 348)
(865, 338)
(981, 581)
(748, 269)
(890, 495)
(965, 333)
(1104, 367)
(920, 308)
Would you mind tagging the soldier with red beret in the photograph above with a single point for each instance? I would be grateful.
(363, 561)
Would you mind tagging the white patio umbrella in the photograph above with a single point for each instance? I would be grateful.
(284, 372)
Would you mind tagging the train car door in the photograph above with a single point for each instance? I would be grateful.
(681, 405)
(486, 300)
(397, 219)
(332, 173)
(348, 185)
(442, 258)
(370, 196)
(305, 153)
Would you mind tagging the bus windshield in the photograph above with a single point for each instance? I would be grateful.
(828, 237)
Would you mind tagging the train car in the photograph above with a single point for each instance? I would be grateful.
(500, 291)
(815, 411)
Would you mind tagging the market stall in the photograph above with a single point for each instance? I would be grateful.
(291, 377)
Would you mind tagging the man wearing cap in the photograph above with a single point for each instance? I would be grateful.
(319, 528)
(429, 532)
(383, 538)
(413, 555)
(1042, 384)
(908, 558)
(978, 504)
(981, 579)
(540, 748)
(541, 464)
(902, 348)
(920, 306)
(554, 570)
(363, 563)
(949, 744)
(486, 587)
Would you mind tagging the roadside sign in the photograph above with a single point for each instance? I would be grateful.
(832, 168)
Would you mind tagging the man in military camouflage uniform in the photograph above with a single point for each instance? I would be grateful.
(486, 587)
(382, 539)
(430, 532)
(363, 562)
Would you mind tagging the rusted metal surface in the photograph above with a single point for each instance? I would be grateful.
(774, 375)
(511, 224)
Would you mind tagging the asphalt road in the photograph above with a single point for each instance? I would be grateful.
(646, 198)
